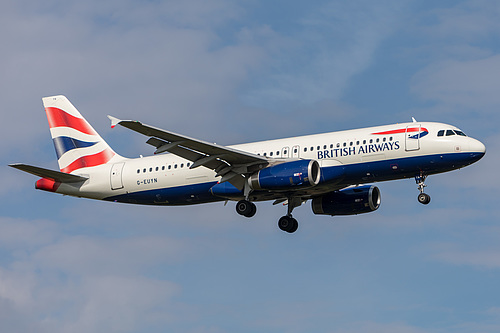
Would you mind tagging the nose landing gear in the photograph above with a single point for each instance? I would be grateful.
(423, 198)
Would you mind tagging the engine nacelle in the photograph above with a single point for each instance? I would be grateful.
(351, 201)
(286, 176)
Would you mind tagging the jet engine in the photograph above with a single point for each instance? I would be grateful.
(287, 176)
(350, 201)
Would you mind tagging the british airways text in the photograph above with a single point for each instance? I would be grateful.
(358, 150)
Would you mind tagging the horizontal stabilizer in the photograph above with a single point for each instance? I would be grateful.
(49, 174)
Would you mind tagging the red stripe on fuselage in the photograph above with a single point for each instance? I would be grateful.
(403, 130)
(60, 118)
(89, 161)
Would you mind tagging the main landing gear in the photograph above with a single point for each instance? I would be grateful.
(423, 198)
(246, 208)
(286, 223)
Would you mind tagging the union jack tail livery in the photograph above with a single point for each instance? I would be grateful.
(76, 143)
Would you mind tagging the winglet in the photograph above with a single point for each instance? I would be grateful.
(114, 121)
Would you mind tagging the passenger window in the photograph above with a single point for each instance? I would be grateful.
(175, 166)
(318, 147)
(138, 170)
(331, 146)
(378, 139)
(156, 168)
(449, 133)
(357, 143)
(441, 133)
(277, 153)
(384, 139)
(188, 165)
(312, 148)
(182, 165)
(364, 142)
(338, 145)
(350, 143)
(295, 151)
(305, 149)
(285, 152)
(169, 167)
(390, 138)
(345, 144)
(271, 154)
(163, 168)
(144, 170)
(150, 169)
(371, 140)
(324, 147)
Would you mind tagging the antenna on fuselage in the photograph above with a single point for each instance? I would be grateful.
(413, 119)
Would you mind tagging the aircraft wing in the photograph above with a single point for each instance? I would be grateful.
(231, 164)
(49, 174)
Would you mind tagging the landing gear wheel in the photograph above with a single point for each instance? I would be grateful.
(424, 198)
(288, 224)
(246, 208)
(253, 211)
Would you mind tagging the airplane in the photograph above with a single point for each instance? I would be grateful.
(334, 170)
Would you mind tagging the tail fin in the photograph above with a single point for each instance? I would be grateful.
(77, 144)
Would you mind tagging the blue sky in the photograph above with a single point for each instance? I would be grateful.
(233, 72)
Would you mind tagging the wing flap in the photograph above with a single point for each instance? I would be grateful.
(49, 174)
(233, 156)
(229, 163)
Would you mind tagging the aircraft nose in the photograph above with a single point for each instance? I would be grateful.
(477, 146)
(477, 149)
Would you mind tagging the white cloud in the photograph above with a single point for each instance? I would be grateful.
(16, 233)
(471, 245)
(471, 21)
(62, 283)
(483, 259)
(376, 327)
(162, 59)
(122, 304)
(17, 287)
(91, 255)
(470, 84)
(336, 41)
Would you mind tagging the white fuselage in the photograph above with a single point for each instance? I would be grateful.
(364, 155)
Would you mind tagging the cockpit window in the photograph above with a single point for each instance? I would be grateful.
(450, 133)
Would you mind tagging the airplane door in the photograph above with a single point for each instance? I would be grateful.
(412, 139)
(295, 151)
(285, 152)
(116, 176)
